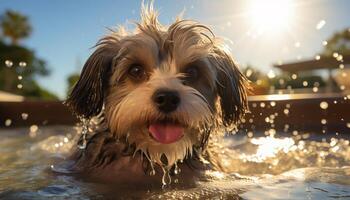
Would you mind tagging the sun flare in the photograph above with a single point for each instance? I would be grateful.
(271, 15)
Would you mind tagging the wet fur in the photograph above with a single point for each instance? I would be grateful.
(209, 105)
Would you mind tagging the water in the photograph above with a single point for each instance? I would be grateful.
(304, 166)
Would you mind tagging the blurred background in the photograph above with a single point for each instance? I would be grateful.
(283, 46)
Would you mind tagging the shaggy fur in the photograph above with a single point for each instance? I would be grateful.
(212, 100)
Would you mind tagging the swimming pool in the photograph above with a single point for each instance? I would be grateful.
(301, 165)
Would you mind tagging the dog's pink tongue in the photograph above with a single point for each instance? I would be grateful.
(166, 133)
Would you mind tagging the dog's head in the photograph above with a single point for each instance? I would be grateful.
(161, 87)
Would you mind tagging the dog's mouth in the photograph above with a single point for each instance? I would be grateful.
(166, 132)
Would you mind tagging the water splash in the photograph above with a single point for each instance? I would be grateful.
(85, 129)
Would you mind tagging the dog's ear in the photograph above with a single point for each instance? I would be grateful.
(86, 98)
(231, 87)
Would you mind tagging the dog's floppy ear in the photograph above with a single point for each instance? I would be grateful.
(231, 87)
(86, 98)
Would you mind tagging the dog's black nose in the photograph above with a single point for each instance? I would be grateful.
(166, 100)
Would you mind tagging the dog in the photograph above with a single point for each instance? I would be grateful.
(158, 95)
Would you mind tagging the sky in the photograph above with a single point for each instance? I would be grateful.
(64, 32)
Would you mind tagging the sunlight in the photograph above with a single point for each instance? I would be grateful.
(271, 15)
(268, 147)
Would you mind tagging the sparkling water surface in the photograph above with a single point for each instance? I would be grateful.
(289, 166)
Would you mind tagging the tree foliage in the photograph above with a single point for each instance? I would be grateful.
(19, 76)
(339, 42)
(15, 26)
(71, 80)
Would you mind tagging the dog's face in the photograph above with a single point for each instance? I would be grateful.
(161, 87)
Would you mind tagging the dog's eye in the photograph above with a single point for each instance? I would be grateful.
(192, 72)
(137, 72)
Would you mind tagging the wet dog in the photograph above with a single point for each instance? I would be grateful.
(158, 95)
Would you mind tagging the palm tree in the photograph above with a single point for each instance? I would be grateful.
(15, 26)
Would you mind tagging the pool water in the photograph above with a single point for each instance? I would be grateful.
(301, 166)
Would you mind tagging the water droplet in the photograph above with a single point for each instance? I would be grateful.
(305, 83)
(19, 86)
(177, 170)
(335, 54)
(262, 104)
(249, 72)
(315, 89)
(323, 121)
(324, 105)
(317, 57)
(286, 127)
(273, 103)
(166, 179)
(24, 116)
(271, 74)
(33, 130)
(324, 43)
(272, 132)
(348, 125)
(82, 141)
(250, 134)
(20, 77)
(8, 63)
(22, 64)
(286, 111)
(65, 139)
(341, 66)
(339, 58)
(294, 76)
(267, 119)
(8, 122)
(320, 24)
